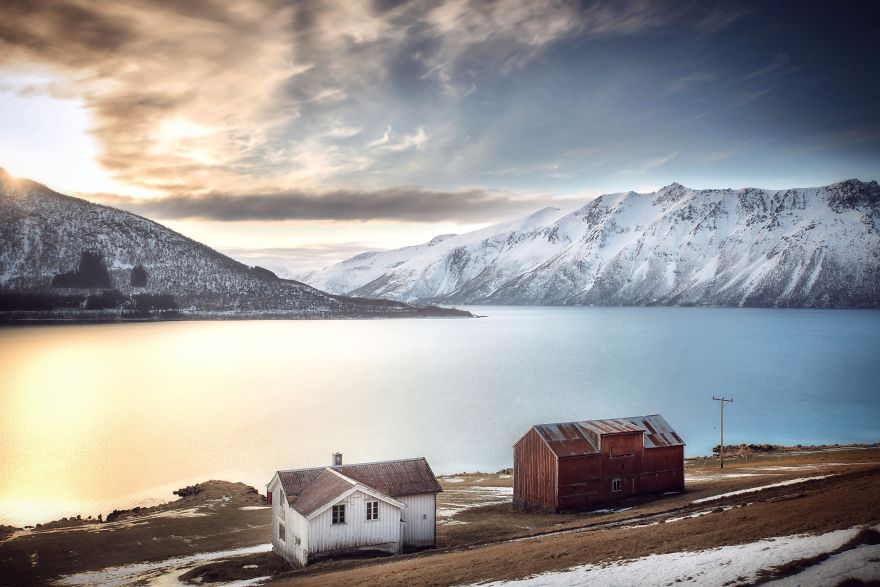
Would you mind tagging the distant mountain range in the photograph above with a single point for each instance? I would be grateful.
(66, 258)
(811, 247)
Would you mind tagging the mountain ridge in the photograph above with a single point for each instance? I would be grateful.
(45, 235)
(801, 247)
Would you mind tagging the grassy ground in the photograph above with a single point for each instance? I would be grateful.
(480, 536)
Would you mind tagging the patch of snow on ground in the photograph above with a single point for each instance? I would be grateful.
(187, 513)
(248, 582)
(248, 508)
(472, 497)
(861, 563)
(606, 511)
(505, 476)
(703, 477)
(452, 479)
(687, 517)
(138, 572)
(761, 488)
(726, 565)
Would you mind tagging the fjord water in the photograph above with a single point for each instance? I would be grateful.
(99, 417)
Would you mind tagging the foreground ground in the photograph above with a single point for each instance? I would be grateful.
(221, 535)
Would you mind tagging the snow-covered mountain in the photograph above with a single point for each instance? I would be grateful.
(44, 235)
(812, 247)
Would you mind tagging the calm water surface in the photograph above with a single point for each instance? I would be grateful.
(98, 417)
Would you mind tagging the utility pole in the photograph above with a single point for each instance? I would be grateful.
(721, 401)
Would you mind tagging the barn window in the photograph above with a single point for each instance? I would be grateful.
(615, 485)
(282, 535)
(339, 514)
(372, 510)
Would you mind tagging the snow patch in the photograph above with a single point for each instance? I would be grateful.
(137, 572)
(726, 565)
(761, 488)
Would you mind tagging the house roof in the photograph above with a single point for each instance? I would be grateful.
(326, 487)
(392, 478)
(585, 437)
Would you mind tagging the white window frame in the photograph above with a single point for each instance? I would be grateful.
(282, 532)
(337, 514)
(372, 511)
(616, 485)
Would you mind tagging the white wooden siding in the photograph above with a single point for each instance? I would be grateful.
(295, 526)
(420, 518)
(357, 531)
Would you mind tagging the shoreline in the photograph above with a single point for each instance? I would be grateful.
(732, 455)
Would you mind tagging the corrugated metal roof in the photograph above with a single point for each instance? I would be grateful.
(658, 432)
(393, 478)
(326, 487)
(568, 439)
(584, 437)
(613, 426)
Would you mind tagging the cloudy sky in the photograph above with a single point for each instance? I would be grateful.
(299, 133)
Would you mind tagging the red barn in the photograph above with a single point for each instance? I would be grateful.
(576, 465)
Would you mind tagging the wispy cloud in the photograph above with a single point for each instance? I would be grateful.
(649, 164)
(779, 65)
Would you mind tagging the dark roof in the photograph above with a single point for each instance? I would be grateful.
(326, 487)
(584, 437)
(393, 478)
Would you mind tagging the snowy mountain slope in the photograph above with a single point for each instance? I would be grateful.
(812, 247)
(43, 234)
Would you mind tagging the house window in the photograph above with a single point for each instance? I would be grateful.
(282, 535)
(372, 510)
(616, 485)
(339, 514)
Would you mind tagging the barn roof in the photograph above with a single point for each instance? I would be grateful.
(584, 437)
(658, 432)
(393, 478)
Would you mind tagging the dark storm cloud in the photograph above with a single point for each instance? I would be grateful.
(344, 99)
(398, 203)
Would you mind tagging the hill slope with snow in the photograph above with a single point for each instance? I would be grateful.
(811, 247)
(44, 234)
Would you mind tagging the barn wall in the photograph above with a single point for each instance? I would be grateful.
(357, 531)
(663, 470)
(420, 517)
(534, 472)
(580, 482)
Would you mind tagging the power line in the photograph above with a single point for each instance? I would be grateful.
(721, 400)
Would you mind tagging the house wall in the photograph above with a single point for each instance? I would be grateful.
(295, 527)
(534, 473)
(357, 531)
(420, 516)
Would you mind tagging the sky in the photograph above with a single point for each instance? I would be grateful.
(296, 134)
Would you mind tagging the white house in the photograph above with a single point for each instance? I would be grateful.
(371, 506)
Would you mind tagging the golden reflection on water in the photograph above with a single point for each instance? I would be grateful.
(117, 411)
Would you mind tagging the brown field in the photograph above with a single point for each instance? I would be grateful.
(476, 525)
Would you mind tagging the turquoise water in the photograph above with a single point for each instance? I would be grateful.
(97, 417)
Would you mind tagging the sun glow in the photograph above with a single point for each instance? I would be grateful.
(47, 138)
